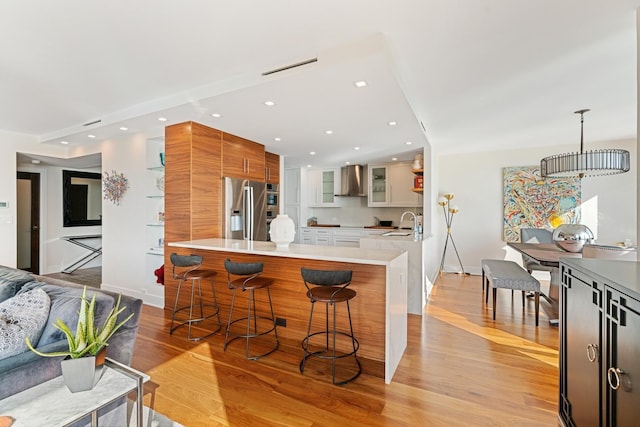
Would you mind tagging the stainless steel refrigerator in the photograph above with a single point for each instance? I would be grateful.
(245, 209)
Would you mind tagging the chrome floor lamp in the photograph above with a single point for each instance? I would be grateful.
(449, 211)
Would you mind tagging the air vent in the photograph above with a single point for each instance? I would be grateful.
(288, 67)
(93, 122)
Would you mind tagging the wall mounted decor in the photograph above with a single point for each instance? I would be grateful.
(115, 185)
(531, 201)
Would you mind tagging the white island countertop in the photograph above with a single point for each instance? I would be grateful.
(323, 253)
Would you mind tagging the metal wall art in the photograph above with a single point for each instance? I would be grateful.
(114, 186)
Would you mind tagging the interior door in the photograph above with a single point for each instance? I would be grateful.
(28, 222)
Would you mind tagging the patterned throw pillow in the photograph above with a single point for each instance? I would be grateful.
(22, 316)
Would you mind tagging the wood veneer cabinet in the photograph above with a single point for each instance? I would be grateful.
(599, 343)
(193, 189)
(242, 158)
(271, 168)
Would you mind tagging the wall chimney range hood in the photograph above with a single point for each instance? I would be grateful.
(352, 181)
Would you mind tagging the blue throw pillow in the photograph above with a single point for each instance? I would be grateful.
(11, 280)
(65, 305)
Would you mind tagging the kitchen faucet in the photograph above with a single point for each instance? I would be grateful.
(415, 220)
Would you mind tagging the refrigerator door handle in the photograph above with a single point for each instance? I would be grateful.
(248, 212)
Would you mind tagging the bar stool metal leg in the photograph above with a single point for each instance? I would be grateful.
(330, 289)
(186, 267)
(250, 281)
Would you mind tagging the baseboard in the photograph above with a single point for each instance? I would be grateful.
(148, 299)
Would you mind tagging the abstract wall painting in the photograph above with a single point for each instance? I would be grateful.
(531, 201)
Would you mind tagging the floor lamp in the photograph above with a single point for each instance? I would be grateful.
(449, 211)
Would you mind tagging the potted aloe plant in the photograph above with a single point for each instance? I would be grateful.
(82, 367)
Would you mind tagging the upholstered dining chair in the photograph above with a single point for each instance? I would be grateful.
(535, 235)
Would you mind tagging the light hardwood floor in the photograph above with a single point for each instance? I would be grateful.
(460, 369)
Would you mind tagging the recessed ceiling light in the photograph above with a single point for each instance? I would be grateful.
(35, 161)
(162, 119)
(216, 115)
(394, 158)
(356, 148)
(360, 83)
(276, 139)
(313, 153)
(91, 136)
(392, 123)
(124, 128)
(347, 163)
(64, 142)
(408, 143)
(269, 103)
(328, 132)
(308, 166)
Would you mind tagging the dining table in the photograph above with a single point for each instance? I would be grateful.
(548, 254)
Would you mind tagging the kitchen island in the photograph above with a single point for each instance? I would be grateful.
(379, 311)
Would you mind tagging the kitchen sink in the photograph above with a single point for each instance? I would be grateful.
(396, 233)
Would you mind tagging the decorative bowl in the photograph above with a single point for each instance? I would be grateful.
(572, 237)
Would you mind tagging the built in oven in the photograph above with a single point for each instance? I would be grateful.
(272, 197)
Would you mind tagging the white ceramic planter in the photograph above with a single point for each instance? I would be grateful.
(82, 374)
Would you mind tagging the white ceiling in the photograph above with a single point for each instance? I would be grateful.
(477, 74)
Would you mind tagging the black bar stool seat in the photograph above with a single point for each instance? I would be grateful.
(187, 268)
(247, 276)
(330, 288)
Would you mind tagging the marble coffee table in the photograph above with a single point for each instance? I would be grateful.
(52, 404)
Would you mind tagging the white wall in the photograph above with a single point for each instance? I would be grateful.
(609, 202)
(10, 144)
(57, 254)
(123, 227)
(124, 259)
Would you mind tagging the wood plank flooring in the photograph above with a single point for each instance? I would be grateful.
(460, 369)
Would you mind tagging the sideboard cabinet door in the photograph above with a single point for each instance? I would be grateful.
(582, 301)
(623, 359)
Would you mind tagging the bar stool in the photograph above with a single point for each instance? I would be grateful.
(330, 288)
(249, 279)
(187, 267)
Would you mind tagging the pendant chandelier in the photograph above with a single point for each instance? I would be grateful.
(589, 163)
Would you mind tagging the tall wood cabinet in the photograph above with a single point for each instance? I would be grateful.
(271, 168)
(599, 343)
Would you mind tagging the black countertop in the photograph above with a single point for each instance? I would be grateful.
(623, 276)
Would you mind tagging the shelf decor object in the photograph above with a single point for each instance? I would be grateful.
(589, 163)
(282, 231)
(449, 211)
(115, 185)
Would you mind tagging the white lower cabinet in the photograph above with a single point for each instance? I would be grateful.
(316, 236)
(346, 237)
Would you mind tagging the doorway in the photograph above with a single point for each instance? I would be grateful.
(28, 222)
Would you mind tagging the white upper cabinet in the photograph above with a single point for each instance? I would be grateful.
(391, 184)
(322, 186)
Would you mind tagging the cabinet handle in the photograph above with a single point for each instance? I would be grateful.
(592, 352)
(620, 377)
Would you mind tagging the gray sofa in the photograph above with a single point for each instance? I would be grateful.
(24, 370)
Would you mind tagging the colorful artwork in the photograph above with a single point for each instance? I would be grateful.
(114, 186)
(533, 202)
